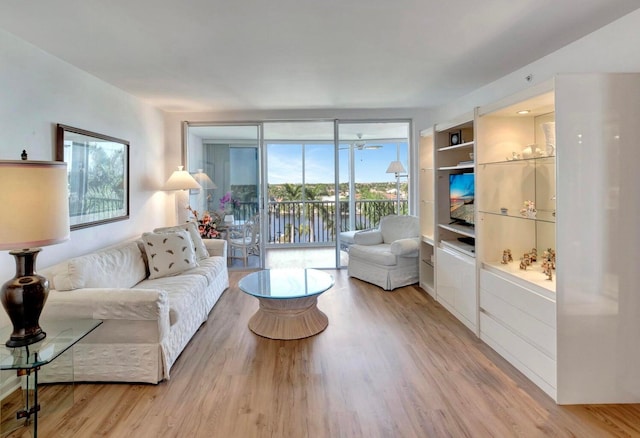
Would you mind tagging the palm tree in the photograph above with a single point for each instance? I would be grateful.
(312, 193)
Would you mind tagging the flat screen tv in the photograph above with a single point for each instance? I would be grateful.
(461, 197)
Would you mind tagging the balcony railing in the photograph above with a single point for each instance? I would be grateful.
(298, 223)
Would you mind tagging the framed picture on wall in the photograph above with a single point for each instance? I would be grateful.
(455, 137)
(98, 176)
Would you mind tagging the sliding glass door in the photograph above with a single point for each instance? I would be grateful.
(369, 189)
(300, 182)
(309, 181)
(225, 159)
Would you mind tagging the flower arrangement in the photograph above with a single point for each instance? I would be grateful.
(228, 204)
(208, 224)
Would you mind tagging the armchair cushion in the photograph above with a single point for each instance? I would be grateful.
(371, 237)
(399, 227)
(375, 254)
(406, 247)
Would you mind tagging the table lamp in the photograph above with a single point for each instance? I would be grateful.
(182, 181)
(35, 212)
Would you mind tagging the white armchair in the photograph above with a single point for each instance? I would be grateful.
(387, 256)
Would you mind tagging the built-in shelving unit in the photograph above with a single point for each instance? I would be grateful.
(572, 334)
(455, 145)
(517, 168)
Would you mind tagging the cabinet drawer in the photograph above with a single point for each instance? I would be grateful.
(527, 301)
(533, 363)
(532, 330)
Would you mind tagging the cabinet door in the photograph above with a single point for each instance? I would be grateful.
(447, 277)
(457, 285)
(466, 300)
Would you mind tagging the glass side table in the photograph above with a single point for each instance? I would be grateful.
(27, 362)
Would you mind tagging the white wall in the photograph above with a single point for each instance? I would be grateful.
(37, 91)
(611, 49)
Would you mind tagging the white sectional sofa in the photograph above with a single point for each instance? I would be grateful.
(151, 305)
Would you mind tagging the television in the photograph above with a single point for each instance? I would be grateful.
(461, 197)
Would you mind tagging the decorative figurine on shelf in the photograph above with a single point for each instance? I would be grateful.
(534, 255)
(548, 271)
(514, 156)
(552, 257)
(509, 255)
(549, 260)
(529, 209)
(527, 259)
(505, 257)
(523, 265)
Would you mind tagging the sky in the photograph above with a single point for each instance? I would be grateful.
(284, 163)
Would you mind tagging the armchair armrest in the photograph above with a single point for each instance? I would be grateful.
(372, 237)
(216, 247)
(408, 247)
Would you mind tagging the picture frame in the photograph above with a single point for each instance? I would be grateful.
(455, 137)
(98, 176)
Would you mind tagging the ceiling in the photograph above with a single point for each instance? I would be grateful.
(201, 55)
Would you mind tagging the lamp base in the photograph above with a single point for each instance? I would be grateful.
(23, 298)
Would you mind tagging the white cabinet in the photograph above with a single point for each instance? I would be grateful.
(519, 322)
(574, 335)
(456, 285)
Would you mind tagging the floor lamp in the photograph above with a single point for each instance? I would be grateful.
(35, 201)
(181, 181)
(397, 168)
(207, 184)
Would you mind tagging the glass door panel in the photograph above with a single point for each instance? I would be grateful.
(367, 191)
(300, 183)
(225, 160)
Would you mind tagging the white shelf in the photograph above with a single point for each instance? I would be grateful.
(462, 247)
(427, 239)
(457, 146)
(465, 230)
(533, 277)
(459, 166)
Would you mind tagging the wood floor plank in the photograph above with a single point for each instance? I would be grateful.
(390, 364)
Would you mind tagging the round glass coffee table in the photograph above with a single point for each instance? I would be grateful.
(288, 302)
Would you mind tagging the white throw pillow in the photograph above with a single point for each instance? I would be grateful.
(192, 228)
(169, 253)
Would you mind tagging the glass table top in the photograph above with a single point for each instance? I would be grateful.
(286, 283)
(61, 335)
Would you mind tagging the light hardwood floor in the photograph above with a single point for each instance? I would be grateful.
(388, 365)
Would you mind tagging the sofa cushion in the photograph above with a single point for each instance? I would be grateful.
(377, 254)
(192, 229)
(169, 253)
(210, 268)
(183, 294)
(121, 266)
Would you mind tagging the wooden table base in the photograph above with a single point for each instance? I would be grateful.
(291, 318)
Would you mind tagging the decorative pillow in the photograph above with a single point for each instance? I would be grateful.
(194, 232)
(169, 253)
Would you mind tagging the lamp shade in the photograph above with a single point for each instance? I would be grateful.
(204, 180)
(181, 180)
(34, 197)
(395, 167)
